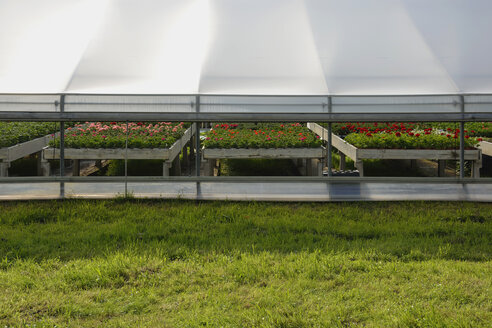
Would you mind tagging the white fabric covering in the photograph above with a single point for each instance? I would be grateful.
(246, 47)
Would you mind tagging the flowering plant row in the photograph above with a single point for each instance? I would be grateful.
(407, 141)
(263, 135)
(12, 133)
(376, 127)
(473, 129)
(114, 135)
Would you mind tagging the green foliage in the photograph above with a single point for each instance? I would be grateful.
(405, 141)
(149, 167)
(263, 135)
(400, 135)
(374, 127)
(135, 263)
(258, 167)
(473, 129)
(12, 133)
(113, 135)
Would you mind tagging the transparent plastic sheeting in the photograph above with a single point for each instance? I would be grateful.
(247, 104)
(246, 47)
(244, 191)
(127, 103)
(29, 103)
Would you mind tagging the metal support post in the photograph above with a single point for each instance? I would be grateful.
(197, 147)
(197, 140)
(126, 161)
(462, 140)
(329, 141)
(62, 147)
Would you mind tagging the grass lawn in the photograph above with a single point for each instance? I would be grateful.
(144, 263)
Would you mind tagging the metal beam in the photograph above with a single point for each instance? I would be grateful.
(222, 179)
(198, 155)
(329, 147)
(462, 140)
(244, 117)
(62, 147)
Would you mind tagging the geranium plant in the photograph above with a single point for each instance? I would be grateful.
(114, 135)
(263, 135)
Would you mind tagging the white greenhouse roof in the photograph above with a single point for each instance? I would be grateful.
(246, 47)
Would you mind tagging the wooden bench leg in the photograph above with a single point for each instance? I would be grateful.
(318, 170)
(208, 167)
(4, 169)
(192, 150)
(177, 166)
(186, 160)
(45, 167)
(359, 165)
(165, 168)
(39, 162)
(343, 162)
(476, 166)
(76, 168)
(309, 167)
(441, 168)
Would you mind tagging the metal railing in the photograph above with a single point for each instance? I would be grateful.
(322, 112)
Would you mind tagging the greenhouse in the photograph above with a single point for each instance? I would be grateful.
(194, 87)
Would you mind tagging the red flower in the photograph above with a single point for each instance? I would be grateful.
(398, 134)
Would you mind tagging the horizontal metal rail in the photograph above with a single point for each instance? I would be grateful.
(246, 95)
(244, 117)
(238, 179)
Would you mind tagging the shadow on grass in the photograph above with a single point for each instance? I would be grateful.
(178, 229)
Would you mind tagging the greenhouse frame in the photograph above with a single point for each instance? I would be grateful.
(247, 61)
